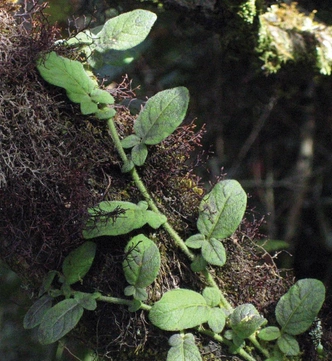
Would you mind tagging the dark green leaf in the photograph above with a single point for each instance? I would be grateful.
(196, 241)
(297, 309)
(47, 282)
(118, 217)
(269, 333)
(176, 308)
(138, 293)
(162, 114)
(78, 262)
(245, 320)
(142, 262)
(214, 252)
(139, 154)
(125, 31)
(288, 345)
(183, 348)
(222, 210)
(86, 300)
(36, 312)
(59, 320)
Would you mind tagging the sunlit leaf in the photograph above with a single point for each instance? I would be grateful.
(125, 31)
(221, 210)
(112, 218)
(176, 308)
(162, 114)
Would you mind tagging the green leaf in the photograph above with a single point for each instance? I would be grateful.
(269, 333)
(78, 262)
(47, 282)
(59, 320)
(176, 308)
(130, 141)
(36, 312)
(199, 264)
(162, 114)
(86, 300)
(125, 31)
(183, 348)
(214, 252)
(105, 113)
(288, 345)
(101, 96)
(138, 293)
(139, 154)
(196, 241)
(245, 320)
(68, 74)
(217, 319)
(127, 166)
(212, 296)
(297, 309)
(142, 262)
(118, 217)
(221, 210)
(87, 106)
(135, 306)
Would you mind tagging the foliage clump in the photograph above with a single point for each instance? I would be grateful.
(62, 183)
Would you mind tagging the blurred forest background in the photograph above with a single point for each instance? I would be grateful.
(270, 131)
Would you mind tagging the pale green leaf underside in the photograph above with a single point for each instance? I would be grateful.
(162, 114)
(297, 309)
(59, 320)
(125, 31)
(221, 210)
(71, 75)
(176, 308)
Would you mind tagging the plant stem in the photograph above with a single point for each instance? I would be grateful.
(223, 340)
(121, 301)
(254, 341)
(145, 193)
(152, 205)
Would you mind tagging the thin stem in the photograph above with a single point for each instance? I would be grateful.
(223, 340)
(152, 205)
(121, 301)
(254, 341)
